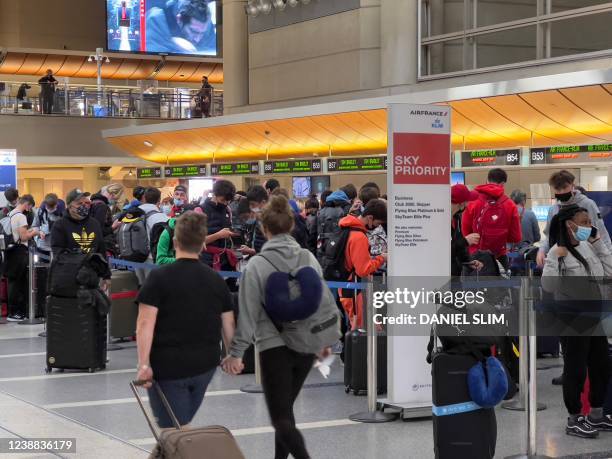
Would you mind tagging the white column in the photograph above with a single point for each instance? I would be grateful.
(235, 55)
(398, 30)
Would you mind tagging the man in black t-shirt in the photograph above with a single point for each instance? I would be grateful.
(180, 322)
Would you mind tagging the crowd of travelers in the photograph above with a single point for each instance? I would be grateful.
(264, 235)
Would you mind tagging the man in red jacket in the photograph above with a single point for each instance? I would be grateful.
(357, 258)
(494, 217)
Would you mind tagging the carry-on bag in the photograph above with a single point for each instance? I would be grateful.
(355, 362)
(76, 336)
(212, 442)
(124, 310)
(461, 428)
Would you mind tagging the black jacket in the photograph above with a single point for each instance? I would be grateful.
(459, 248)
(219, 217)
(102, 213)
(78, 235)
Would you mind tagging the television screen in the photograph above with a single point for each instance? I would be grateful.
(457, 178)
(186, 27)
(301, 187)
(320, 183)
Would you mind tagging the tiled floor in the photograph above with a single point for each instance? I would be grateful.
(100, 412)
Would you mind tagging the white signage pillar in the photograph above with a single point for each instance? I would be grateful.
(419, 219)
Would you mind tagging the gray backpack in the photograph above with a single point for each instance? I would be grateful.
(133, 239)
(319, 330)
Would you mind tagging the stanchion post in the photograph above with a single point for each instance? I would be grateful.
(529, 354)
(372, 415)
(31, 319)
(521, 401)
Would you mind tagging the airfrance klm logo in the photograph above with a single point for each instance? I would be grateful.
(437, 124)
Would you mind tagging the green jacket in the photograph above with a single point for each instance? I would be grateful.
(165, 247)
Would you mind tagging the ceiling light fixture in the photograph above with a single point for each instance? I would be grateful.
(148, 143)
(264, 6)
(130, 173)
(279, 4)
(251, 8)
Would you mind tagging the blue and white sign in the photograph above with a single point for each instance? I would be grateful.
(541, 212)
(8, 172)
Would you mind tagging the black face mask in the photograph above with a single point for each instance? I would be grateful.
(564, 197)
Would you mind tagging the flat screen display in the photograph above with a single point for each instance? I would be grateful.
(320, 183)
(181, 27)
(301, 187)
(457, 178)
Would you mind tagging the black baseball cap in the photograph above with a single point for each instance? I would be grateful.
(75, 194)
(138, 192)
(182, 188)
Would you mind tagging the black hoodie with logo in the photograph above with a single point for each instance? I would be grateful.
(83, 235)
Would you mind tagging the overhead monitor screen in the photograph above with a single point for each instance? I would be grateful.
(320, 183)
(183, 27)
(301, 187)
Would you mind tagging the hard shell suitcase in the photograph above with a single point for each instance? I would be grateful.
(212, 442)
(76, 336)
(124, 310)
(355, 362)
(461, 428)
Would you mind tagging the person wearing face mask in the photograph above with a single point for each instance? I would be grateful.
(16, 262)
(358, 260)
(565, 192)
(179, 201)
(460, 196)
(44, 220)
(579, 257)
(256, 199)
(78, 230)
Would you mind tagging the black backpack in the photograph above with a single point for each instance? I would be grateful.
(156, 233)
(328, 227)
(333, 261)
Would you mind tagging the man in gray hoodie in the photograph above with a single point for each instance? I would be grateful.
(562, 184)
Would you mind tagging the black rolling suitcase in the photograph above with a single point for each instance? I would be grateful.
(76, 336)
(461, 428)
(355, 362)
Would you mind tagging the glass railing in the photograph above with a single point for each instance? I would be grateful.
(174, 104)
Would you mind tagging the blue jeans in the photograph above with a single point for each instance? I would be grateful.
(184, 396)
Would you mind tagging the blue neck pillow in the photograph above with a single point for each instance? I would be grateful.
(278, 303)
(488, 382)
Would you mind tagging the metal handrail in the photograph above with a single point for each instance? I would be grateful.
(79, 101)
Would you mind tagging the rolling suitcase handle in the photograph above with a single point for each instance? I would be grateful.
(164, 400)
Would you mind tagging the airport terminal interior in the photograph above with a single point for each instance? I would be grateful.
(180, 98)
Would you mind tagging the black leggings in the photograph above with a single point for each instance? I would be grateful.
(582, 353)
(283, 373)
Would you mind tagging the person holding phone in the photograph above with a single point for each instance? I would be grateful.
(577, 259)
(460, 196)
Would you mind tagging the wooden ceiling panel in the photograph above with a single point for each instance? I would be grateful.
(143, 70)
(72, 65)
(557, 107)
(168, 71)
(126, 69)
(53, 62)
(187, 71)
(32, 65)
(12, 63)
(16, 63)
(594, 100)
